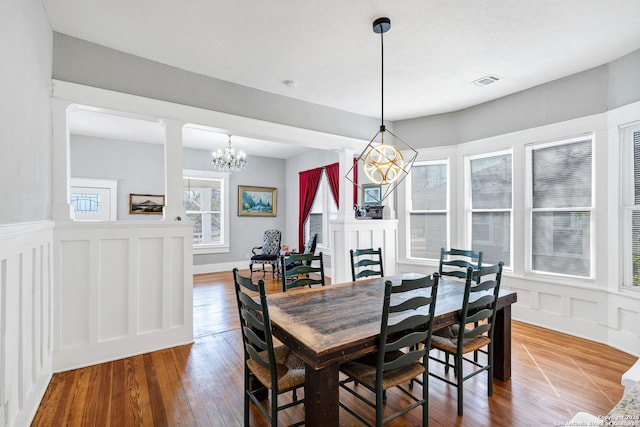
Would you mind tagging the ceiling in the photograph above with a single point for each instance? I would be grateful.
(432, 54)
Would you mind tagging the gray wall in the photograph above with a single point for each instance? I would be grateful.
(590, 92)
(25, 117)
(90, 64)
(245, 232)
(138, 167)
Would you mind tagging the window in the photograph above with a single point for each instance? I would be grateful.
(490, 187)
(630, 161)
(94, 199)
(205, 199)
(428, 209)
(561, 205)
(318, 222)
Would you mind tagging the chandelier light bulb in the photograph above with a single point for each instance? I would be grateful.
(229, 161)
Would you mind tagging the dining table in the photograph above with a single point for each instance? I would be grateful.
(329, 325)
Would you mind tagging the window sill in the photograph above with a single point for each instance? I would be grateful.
(210, 249)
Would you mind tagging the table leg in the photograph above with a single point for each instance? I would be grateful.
(321, 396)
(502, 344)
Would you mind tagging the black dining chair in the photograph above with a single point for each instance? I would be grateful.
(366, 263)
(265, 367)
(402, 350)
(301, 270)
(454, 262)
(473, 332)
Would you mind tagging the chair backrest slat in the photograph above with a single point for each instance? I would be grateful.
(255, 324)
(366, 263)
(412, 310)
(459, 260)
(302, 270)
(479, 303)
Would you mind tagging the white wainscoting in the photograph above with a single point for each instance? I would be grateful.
(122, 288)
(597, 314)
(362, 234)
(26, 319)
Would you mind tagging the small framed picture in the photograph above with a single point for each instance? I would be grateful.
(256, 201)
(371, 194)
(146, 204)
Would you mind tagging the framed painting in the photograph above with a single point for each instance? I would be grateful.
(146, 204)
(256, 201)
(371, 194)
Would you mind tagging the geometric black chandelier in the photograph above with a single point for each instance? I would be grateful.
(382, 161)
(229, 161)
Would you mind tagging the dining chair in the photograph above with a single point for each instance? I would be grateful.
(366, 263)
(301, 270)
(459, 260)
(309, 248)
(474, 331)
(265, 367)
(268, 253)
(402, 350)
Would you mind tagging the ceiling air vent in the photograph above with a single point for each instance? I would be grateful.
(486, 80)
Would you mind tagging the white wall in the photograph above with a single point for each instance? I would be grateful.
(122, 288)
(26, 298)
(26, 314)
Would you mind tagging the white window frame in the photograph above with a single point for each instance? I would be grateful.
(409, 206)
(529, 148)
(628, 206)
(224, 245)
(469, 210)
(109, 203)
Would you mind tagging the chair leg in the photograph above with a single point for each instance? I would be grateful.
(458, 370)
(446, 363)
(425, 397)
(247, 401)
(379, 407)
(274, 408)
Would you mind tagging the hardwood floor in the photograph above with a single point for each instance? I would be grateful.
(553, 376)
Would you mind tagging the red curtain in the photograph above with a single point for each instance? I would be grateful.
(333, 176)
(309, 181)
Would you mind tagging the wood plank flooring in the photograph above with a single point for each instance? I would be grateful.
(553, 376)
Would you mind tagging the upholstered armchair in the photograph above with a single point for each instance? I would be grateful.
(267, 253)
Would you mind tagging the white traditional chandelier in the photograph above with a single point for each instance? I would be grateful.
(229, 161)
(383, 163)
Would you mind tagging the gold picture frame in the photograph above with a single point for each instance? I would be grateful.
(146, 204)
(257, 201)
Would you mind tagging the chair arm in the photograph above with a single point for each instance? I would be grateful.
(253, 250)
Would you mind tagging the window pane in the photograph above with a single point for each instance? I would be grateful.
(197, 226)
(635, 246)
(191, 199)
(491, 182)
(561, 242)
(428, 233)
(216, 235)
(429, 187)
(562, 175)
(315, 226)
(216, 200)
(636, 168)
(491, 234)
(86, 203)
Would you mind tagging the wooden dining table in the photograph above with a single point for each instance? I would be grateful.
(329, 325)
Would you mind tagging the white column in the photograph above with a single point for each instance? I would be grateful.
(61, 209)
(173, 170)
